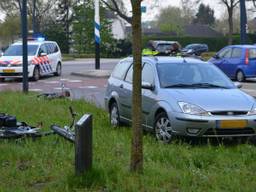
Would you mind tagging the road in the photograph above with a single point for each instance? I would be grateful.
(91, 89)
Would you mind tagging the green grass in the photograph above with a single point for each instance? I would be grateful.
(47, 164)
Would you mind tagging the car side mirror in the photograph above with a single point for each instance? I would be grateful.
(146, 85)
(238, 85)
(43, 54)
(216, 56)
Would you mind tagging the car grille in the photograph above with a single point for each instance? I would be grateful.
(229, 131)
(229, 113)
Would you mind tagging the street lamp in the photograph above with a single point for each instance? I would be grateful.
(97, 33)
(243, 22)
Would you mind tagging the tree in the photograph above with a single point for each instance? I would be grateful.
(188, 10)
(136, 164)
(170, 20)
(83, 28)
(10, 28)
(205, 15)
(230, 5)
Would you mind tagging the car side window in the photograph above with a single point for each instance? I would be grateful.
(129, 75)
(148, 74)
(121, 69)
(49, 48)
(236, 53)
(42, 49)
(55, 48)
(226, 53)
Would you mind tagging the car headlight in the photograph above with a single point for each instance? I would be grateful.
(253, 110)
(192, 109)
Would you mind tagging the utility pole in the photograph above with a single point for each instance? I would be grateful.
(25, 46)
(243, 22)
(97, 33)
(34, 17)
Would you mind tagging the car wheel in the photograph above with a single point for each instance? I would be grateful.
(240, 76)
(114, 115)
(163, 128)
(58, 70)
(36, 74)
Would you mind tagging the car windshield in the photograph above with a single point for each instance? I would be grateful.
(16, 50)
(192, 75)
(164, 47)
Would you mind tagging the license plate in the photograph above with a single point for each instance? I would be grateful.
(232, 124)
(8, 70)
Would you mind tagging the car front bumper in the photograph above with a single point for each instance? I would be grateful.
(211, 126)
(15, 72)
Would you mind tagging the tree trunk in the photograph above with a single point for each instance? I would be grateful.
(137, 132)
(230, 25)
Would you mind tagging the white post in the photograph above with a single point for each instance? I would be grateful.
(97, 33)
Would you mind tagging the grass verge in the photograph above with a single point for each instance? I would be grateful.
(47, 164)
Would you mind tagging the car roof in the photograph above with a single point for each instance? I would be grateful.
(243, 46)
(33, 42)
(168, 59)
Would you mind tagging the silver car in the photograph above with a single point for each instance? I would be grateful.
(182, 96)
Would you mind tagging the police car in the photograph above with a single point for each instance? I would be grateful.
(44, 57)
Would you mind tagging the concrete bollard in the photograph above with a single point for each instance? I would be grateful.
(83, 144)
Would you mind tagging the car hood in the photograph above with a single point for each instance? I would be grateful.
(10, 59)
(214, 99)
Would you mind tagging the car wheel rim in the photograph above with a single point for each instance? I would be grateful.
(240, 76)
(163, 129)
(114, 116)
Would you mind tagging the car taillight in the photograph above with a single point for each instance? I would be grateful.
(247, 57)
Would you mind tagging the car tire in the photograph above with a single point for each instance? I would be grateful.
(162, 128)
(114, 116)
(58, 70)
(240, 77)
(36, 74)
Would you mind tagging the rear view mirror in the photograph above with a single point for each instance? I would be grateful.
(238, 85)
(146, 85)
(43, 54)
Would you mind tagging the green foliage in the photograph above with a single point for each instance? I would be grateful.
(205, 15)
(47, 164)
(10, 29)
(83, 29)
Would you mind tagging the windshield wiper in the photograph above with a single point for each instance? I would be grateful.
(178, 85)
(195, 85)
(208, 85)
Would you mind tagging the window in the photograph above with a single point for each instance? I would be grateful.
(55, 48)
(49, 48)
(226, 53)
(120, 69)
(236, 53)
(42, 49)
(16, 50)
(147, 74)
(252, 53)
(129, 75)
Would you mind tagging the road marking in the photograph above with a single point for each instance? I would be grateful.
(36, 90)
(60, 88)
(64, 79)
(51, 82)
(88, 87)
(3, 84)
(74, 81)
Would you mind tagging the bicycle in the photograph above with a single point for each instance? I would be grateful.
(11, 129)
(68, 132)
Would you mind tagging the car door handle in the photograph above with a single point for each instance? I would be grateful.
(121, 86)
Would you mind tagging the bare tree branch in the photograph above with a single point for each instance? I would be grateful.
(115, 8)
